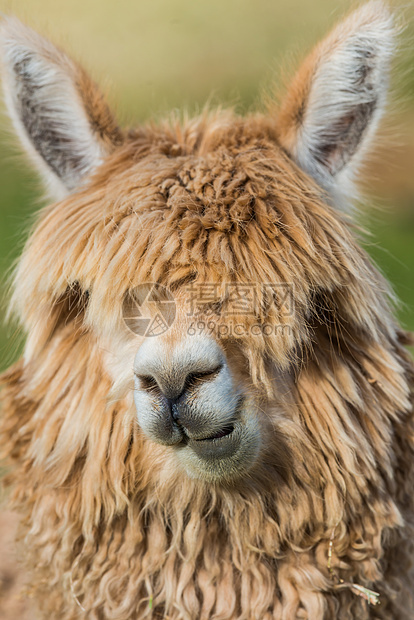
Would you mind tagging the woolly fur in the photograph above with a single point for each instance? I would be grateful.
(108, 523)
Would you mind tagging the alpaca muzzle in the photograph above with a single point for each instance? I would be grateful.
(186, 399)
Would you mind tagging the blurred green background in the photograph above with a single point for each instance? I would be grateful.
(155, 55)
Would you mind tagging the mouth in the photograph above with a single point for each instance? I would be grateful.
(224, 432)
(224, 452)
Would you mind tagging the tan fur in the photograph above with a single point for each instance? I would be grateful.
(109, 522)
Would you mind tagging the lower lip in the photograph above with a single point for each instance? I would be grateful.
(225, 432)
(213, 450)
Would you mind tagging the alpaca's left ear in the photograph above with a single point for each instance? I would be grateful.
(333, 106)
(60, 116)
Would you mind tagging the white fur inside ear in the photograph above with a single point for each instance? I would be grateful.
(346, 99)
(43, 96)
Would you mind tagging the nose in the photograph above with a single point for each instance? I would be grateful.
(173, 369)
(183, 391)
(173, 385)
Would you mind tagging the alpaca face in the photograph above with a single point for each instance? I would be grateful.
(219, 200)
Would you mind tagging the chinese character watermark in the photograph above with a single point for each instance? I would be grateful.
(229, 309)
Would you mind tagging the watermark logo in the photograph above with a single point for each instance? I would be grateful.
(149, 310)
(227, 309)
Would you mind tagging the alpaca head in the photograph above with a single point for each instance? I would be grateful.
(239, 219)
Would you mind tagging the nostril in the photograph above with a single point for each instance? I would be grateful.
(148, 383)
(195, 378)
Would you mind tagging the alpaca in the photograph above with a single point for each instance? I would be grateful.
(253, 458)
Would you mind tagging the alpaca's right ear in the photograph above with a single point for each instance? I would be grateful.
(332, 108)
(58, 113)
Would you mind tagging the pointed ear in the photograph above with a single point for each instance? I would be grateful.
(333, 106)
(58, 113)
